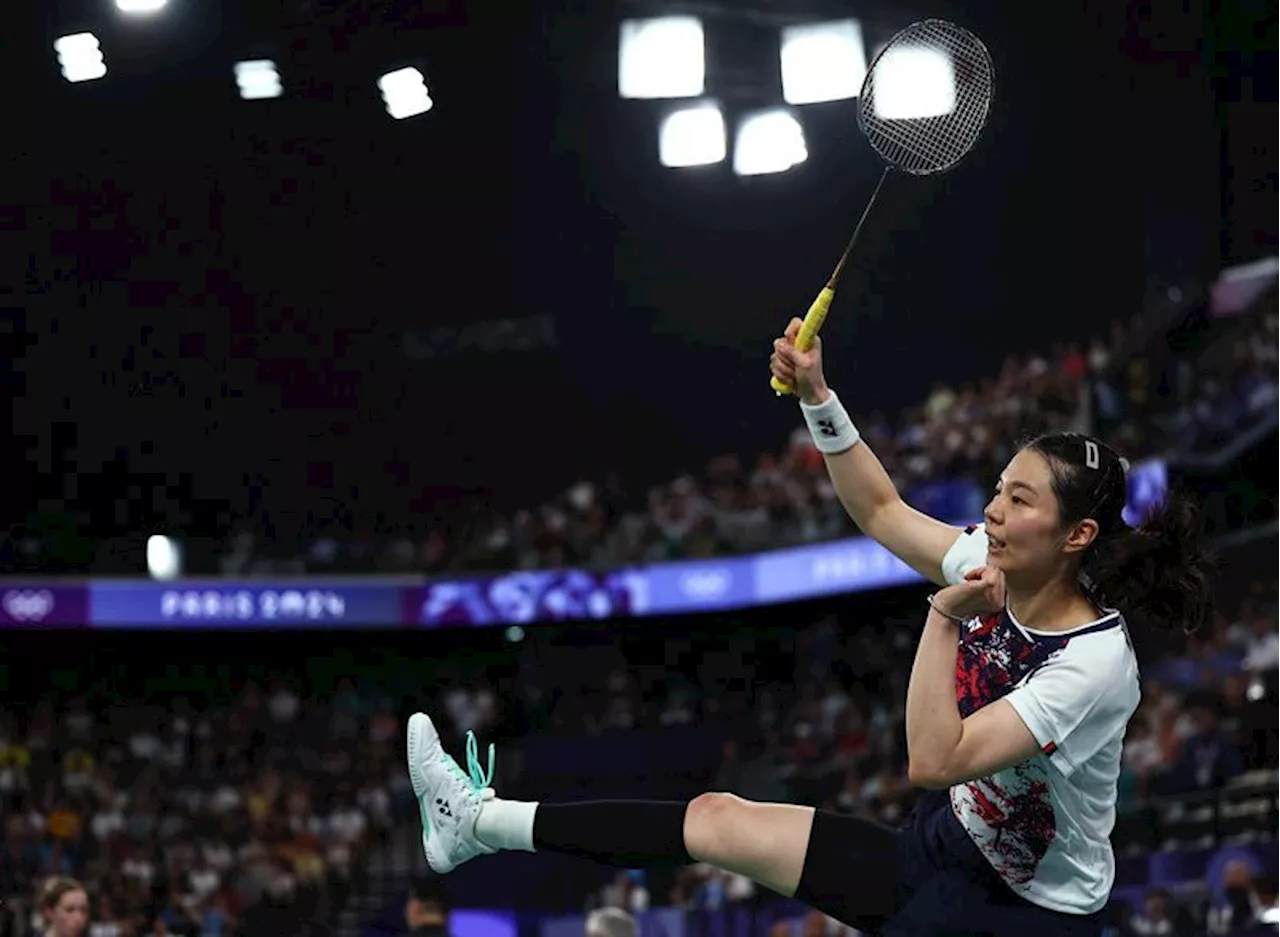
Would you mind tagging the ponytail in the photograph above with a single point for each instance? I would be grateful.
(1158, 573)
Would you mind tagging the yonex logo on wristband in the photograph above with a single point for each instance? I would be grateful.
(830, 426)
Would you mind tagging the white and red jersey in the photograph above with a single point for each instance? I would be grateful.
(1045, 825)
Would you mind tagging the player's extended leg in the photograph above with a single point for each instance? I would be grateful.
(843, 866)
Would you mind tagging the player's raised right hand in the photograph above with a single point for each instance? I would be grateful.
(801, 370)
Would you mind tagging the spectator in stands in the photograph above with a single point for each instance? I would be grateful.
(1263, 648)
(1141, 759)
(107, 922)
(611, 922)
(426, 912)
(192, 814)
(813, 924)
(64, 908)
(627, 891)
(1266, 906)
(1156, 917)
(1240, 906)
(1209, 760)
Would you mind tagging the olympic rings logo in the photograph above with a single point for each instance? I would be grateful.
(27, 606)
(708, 584)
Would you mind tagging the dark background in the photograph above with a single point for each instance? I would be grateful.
(209, 301)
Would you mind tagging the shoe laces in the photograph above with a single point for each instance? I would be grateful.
(479, 778)
(476, 777)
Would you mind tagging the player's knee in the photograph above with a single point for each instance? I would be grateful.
(709, 824)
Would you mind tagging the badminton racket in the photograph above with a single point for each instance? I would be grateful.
(922, 107)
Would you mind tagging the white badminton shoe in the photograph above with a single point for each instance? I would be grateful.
(448, 800)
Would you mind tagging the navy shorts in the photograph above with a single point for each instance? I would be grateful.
(945, 887)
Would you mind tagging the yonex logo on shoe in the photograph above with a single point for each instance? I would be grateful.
(443, 807)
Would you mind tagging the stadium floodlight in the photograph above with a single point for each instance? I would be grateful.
(404, 91)
(164, 557)
(822, 62)
(692, 136)
(140, 6)
(768, 142)
(664, 57)
(914, 83)
(258, 79)
(80, 56)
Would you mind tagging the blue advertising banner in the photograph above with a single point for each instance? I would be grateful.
(214, 604)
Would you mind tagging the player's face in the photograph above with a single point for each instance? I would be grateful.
(70, 916)
(1022, 518)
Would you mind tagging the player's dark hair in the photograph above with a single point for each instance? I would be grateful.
(1157, 572)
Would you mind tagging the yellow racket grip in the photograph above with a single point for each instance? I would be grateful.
(813, 320)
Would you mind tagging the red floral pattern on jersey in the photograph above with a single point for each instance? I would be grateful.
(1009, 815)
(1016, 818)
(993, 656)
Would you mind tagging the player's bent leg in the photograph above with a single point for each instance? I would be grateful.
(765, 842)
(843, 866)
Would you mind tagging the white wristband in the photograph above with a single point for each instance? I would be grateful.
(830, 426)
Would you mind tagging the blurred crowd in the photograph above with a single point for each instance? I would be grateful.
(1149, 402)
(737, 505)
(1144, 403)
(244, 820)
(1202, 721)
(1146, 394)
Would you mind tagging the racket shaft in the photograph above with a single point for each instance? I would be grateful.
(813, 320)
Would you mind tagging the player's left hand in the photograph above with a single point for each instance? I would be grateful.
(981, 593)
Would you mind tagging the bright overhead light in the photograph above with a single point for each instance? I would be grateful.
(258, 79)
(768, 142)
(913, 83)
(663, 57)
(140, 6)
(80, 56)
(164, 557)
(404, 92)
(822, 62)
(692, 136)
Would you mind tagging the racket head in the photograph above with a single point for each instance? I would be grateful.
(926, 97)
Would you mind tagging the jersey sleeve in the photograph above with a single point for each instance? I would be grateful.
(1077, 702)
(968, 553)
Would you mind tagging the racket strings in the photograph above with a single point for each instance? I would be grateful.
(924, 145)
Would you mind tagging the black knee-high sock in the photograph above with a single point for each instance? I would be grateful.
(630, 834)
(850, 869)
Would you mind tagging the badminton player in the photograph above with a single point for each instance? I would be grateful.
(1023, 682)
